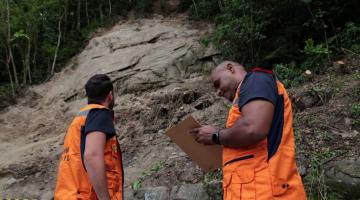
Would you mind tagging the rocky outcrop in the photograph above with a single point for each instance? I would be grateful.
(343, 177)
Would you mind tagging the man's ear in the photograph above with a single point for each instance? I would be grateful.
(230, 67)
(110, 95)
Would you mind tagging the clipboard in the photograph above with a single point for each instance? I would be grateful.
(208, 157)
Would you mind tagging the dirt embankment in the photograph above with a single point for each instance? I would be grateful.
(158, 68)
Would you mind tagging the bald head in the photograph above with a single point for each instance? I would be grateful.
(228, 64)
(226, 78)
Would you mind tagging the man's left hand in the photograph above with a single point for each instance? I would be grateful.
(204, 134)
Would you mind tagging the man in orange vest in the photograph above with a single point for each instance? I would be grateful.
(258, 142)
(90, 165)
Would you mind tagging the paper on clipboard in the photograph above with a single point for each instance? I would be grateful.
(207, 157)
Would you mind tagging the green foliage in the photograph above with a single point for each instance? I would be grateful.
(351, 37)
(315, 55)
(5, 90)
(355, 110)
(239, 30)
(204, 9)
(274, 31)
(34, 30)
(184, 5)
(315, 181)
(142, 8)
(288, 74)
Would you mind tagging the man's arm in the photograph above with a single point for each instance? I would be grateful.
(95, 163)
(253, 126)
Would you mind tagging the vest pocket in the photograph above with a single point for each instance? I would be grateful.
(279, 186)
(239, 184)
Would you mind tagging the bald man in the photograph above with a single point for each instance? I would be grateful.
(258, 142)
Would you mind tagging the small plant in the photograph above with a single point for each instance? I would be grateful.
(212, 181)
(288, 74)
(136, 185)
(355, 110)
(316, 55)
(323, 93)
(315, 181)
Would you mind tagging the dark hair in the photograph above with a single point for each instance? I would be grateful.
(97, 88)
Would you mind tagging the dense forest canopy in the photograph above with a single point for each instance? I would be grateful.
(39, 36)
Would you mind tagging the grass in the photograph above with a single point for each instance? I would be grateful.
(355, 110)
(213, 184)
(315, 181)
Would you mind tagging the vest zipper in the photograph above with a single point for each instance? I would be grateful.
(239, 159)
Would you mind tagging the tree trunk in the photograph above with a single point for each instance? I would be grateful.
(9, 72)
(35, 39)
(221, 4)
(22, 58)
(196, 10)
(101, 12)
(78, 14)
(65, 19)
(57, 46)
(87, 12)
(8, 39)
(27, 60)
(109, 8)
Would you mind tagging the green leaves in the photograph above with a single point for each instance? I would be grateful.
(154, 169)
(312, 49)
(20, 34)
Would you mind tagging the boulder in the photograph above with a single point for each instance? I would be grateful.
(343, 177)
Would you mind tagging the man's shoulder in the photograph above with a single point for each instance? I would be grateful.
(259, 79)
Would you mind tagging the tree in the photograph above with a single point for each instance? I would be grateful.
(8, 42)
(58, 44)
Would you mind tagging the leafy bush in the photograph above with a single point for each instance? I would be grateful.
(351, 37)
(274, 31)
(204, 9)
(288, 74)
(316, 55)
(142, 8)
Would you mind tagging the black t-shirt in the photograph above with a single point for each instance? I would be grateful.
(100, 120)
(258, 85)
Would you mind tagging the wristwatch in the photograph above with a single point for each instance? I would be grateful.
(216, 137)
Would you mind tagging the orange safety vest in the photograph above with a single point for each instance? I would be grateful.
(72, 180)
(255, 172)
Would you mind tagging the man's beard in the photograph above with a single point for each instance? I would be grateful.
(111, 104)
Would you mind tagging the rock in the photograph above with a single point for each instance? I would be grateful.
(11, 181)
(157, 193)
(306, 101)
(203, 104)
(302, 170)
(346, 134)
(347, 122)
(189, 192)
(344, 177)
(190, 96)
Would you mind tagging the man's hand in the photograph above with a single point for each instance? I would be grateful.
(204, 134)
